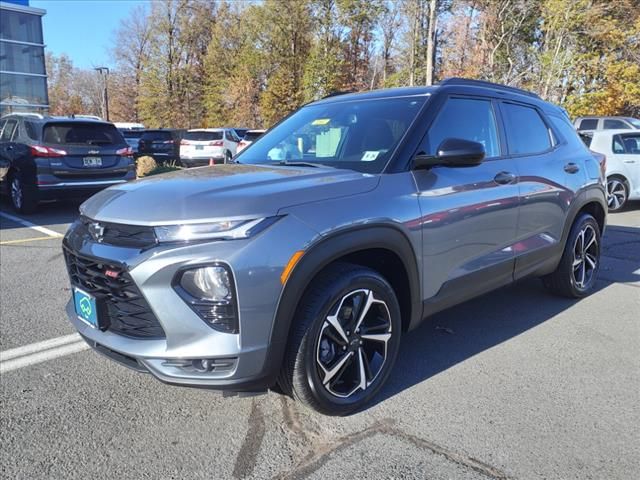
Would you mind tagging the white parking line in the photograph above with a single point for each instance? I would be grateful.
(41, 352)
(33, 226)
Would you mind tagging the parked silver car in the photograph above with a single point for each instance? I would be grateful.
(589, 124)
(340, 229)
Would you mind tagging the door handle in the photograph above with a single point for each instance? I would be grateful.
(571, 168)
(629, 161)
(504, 178)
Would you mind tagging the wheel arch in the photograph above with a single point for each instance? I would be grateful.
(393, 249)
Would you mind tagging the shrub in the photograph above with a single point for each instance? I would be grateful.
(145, 165)
(164, 168)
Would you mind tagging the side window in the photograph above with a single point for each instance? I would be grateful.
(7, 131)
(2, 124)
(631, 143)
(30, 128)
(610, 124)
(616, 144)
(526, 132)
(568, 133)
(467, 119)
(589, 124)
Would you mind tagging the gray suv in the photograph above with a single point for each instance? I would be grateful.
(341, 229)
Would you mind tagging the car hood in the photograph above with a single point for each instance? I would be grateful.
(224, 191)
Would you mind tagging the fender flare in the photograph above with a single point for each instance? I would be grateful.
(317, 257)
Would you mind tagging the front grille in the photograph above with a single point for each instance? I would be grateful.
(127, 310)
(121, 235)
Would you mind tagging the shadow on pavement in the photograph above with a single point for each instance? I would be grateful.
(48, 214)
(454, 335)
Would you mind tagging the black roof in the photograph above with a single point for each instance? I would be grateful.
(37, 118)
(454, 85)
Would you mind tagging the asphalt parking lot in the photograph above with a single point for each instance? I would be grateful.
(515, 384)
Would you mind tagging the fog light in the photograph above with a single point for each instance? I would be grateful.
(210, 292)
(207, 283)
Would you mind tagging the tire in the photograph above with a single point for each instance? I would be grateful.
(227, 157)
(321, 369)
(617, 192)
(577, 271)
(24, 197)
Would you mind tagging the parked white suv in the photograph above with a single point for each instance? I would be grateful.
(249, 137)
(622, 149)
(203, 145)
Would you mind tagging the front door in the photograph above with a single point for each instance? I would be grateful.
(469, 214)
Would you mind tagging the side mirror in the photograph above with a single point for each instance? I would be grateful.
(452, 152)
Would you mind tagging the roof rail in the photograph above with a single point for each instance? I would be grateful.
(483, 83)
(336, 93)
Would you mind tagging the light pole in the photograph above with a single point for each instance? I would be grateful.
(104, 72)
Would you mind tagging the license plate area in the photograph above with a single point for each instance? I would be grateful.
(92, 162)
(199, 147)
(89, 309)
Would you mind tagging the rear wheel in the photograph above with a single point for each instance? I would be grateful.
(345, 340)
(617, 193)
(227, 157)
(24, 197)
(577, 272)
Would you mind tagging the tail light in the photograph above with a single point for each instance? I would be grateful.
(217, 143)
(185, 142)
(40, 151)
(125, 152)
(242, 143)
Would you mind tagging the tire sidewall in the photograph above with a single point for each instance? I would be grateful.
(361, 279)
(568, 260)
(625, 185)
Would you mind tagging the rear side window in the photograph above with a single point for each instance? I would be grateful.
(631, 143)
(7, 131)
(526, 131)
(467, 119)
(77, 133)
(31, 130)
(202, 136)
(156, 136)
(611, 124)
(589, 124)
(568, 133)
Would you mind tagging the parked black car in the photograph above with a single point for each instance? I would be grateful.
(162, 144)
(54, 157)
(132, 136)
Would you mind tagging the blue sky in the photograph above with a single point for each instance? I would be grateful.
(83, 29)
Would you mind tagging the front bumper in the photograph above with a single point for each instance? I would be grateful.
(242, 361)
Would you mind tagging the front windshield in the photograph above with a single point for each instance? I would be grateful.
(359, 135)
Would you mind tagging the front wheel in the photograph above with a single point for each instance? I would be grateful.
(578, 269)
(345, 340)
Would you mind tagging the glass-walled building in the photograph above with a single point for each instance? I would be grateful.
(23, 76)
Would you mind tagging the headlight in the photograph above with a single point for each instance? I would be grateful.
(210, 292)
(223, 230)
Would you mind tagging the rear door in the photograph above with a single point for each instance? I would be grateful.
(551, 173)
(90, 148)
(469, 214)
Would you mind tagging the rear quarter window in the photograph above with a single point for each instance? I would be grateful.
(569, 134)
(69, 133)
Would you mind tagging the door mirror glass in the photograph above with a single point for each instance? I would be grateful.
(453, 152)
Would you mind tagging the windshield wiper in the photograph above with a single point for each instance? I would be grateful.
(301, 164)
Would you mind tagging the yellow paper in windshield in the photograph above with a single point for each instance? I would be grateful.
(321, 121)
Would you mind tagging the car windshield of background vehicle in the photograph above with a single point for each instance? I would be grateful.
(358, 135)
(252, 136)
(131, 133)
(613, 124)
(634, 121)
(203, 136)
